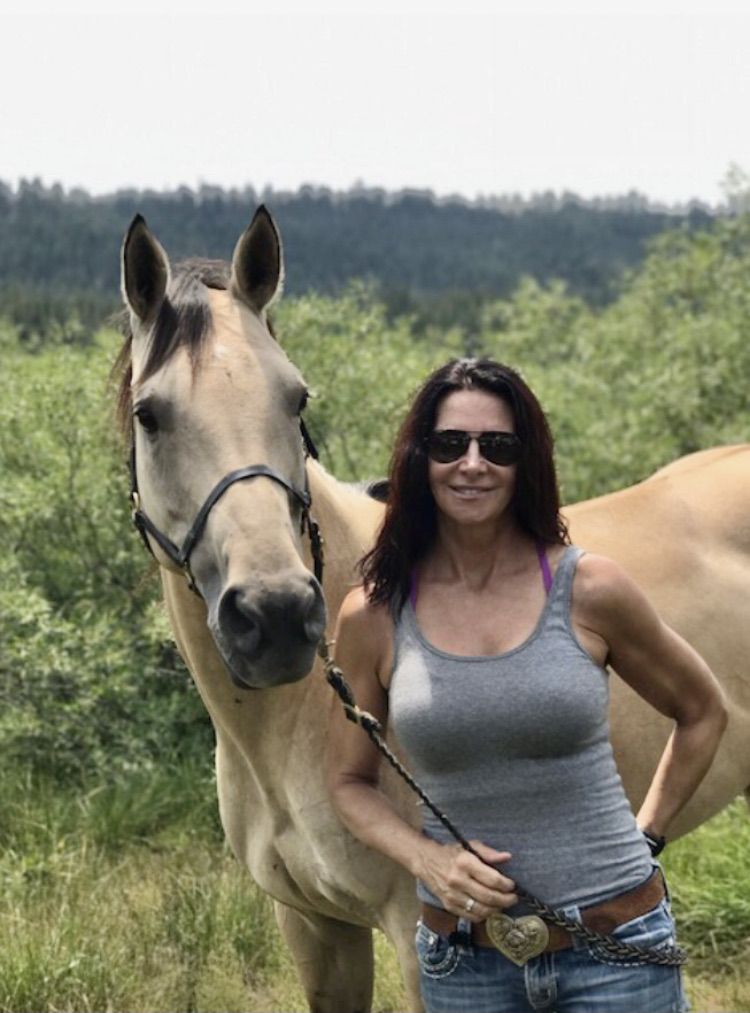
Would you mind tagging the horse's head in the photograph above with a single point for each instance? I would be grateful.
(209, 391)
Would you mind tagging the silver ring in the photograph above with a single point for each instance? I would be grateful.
(469, 905)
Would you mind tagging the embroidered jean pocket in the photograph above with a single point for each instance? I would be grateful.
(653, 930)
(436, 955)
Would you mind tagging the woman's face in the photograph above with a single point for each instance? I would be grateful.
(472, 490)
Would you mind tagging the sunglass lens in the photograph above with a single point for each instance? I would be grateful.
(500, 448)
(447, 446)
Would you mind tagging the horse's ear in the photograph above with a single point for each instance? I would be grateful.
(145, 271)
(258, 262)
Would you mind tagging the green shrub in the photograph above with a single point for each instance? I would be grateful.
(88, 674)
(89, 678)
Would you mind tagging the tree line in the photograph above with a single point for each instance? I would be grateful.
(437, 259)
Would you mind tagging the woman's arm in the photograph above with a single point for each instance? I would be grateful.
(364, 637)
(665, 670)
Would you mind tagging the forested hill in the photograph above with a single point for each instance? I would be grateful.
(411, 244)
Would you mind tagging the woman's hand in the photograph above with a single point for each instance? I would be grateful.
(458, 878)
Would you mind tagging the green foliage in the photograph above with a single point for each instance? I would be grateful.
(155, 915)
(142, 914)
(416, 247)
(89, 678)
(711, 889)
(92, 691)
(658, 374)
(44, 314)
(363, 370)
(62, 498)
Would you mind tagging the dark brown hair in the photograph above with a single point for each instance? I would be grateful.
(410, 522)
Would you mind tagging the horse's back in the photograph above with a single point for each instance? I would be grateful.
(684, 535)
(697, 504)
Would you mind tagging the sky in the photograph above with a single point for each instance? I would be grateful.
(475, 98)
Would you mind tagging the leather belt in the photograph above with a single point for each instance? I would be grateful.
(602, 918)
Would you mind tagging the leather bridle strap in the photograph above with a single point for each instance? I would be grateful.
(180, 555)
(310, 449)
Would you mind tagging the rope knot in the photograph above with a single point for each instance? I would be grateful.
(363, 718)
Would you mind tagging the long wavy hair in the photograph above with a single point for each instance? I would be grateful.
(410, 523)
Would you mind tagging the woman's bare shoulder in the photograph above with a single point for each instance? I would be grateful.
(358, 608)
(364, 632)
(606, 598)
(602, 580)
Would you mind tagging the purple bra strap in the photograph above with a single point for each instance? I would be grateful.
(413, 587)
(544, 564)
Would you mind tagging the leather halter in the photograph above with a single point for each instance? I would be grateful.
(180, 555)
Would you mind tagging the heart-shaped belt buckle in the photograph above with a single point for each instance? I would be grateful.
(518, 939)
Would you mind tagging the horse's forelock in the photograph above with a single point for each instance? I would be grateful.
(184, 321)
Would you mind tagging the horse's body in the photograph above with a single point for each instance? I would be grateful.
(228, 398)
(684, 535)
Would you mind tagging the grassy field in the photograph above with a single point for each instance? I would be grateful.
(124, 897)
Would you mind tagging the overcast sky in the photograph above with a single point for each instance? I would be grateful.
(598, 98)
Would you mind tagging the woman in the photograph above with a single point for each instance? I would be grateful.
(482, 635)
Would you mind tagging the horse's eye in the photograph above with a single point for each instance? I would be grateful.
(147, 420)
(303, 402)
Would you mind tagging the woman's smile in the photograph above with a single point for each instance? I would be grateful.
(471, 489)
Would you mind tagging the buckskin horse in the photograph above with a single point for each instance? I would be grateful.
(222, 483)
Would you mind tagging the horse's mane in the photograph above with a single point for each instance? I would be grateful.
(183, 321)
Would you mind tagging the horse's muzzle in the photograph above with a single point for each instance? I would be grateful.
(268, 632)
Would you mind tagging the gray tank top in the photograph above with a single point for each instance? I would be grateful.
(515, 749)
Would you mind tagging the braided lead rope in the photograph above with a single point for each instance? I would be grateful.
(672, 956)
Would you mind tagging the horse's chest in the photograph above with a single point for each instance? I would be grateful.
(305, 861)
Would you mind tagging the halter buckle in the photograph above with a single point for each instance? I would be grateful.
(192, 586)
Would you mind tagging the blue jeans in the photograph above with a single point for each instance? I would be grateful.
(458, 977)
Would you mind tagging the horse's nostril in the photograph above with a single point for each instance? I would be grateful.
(242, 623)
(248, 643)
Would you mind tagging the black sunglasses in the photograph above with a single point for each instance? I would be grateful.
(447, 445)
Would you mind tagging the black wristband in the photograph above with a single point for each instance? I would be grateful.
(655, 844)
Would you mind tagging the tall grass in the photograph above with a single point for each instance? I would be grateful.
(123, 897)
(709, 876)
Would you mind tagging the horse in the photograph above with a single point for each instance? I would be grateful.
(223, 488)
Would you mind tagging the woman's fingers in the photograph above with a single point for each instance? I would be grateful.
(490, 854)
(459, 877)
(484, 899)
(487, 874)
(471, 881)
(478, 911)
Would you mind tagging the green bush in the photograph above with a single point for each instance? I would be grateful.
(93, 693)
(363, 370)
(658, 374)
(89, 678)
